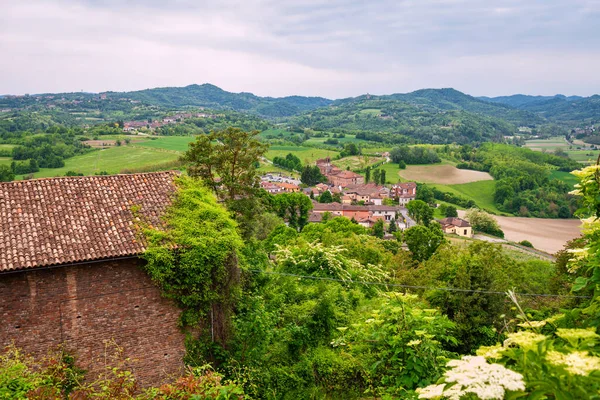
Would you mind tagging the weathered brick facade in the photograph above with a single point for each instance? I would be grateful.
(84, 305)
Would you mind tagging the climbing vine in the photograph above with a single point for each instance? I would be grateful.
(193, 258)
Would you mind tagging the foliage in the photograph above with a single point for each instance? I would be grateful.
(193, 256)
(526, 243)
(414, 155)
(291, 162)
(420, 212)
(450, 212)
(294, 208)
(311, 175)
(423, 241)
(57, 377)
(379, 229)
(484, 222)
(326, 197)
(6, 173)
(226, 161)
(400, 344)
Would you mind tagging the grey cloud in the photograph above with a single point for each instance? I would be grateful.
(341, 47)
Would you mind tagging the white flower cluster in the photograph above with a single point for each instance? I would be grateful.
(473, 375)
(577, 362)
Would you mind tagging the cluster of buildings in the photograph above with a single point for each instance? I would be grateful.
(366, 216)
(279, 183)
(337, 176)
(130, 126)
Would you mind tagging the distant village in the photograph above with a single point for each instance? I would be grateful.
(365, 203)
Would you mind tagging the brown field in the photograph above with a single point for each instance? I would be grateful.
(109, 142)
(443, 174)
(549, 235)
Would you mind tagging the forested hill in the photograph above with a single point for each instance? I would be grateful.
(211, 96)
(448, 99)
(557, 108)
(388, 120)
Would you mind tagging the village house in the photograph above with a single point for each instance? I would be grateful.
(287, 187)
(457, 226)
(270, 187)
(338, 177)
(404, 192)
(70, 271)
(359, 213)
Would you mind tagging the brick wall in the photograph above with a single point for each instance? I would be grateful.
(82, 306)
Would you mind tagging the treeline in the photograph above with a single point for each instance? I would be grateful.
(414, 155)
(523, 183)
(290, 162)
(50, 150)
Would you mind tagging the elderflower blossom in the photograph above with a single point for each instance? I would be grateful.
(472, 374)
(524, 339)
(491, 352)
(532, 324)
(577, 362)
(574, 335)
(413, 343)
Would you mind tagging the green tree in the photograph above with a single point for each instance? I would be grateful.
(294, 208)
(484, 222)
(311, 175)
(451, 211)
(326, 197)
(423, 241)
(420, 212)
(382, 177)
(378, 229)
(6, 174)
(392, 228)
(376, 175)
(226, 161)
(402, 164)
(368, 174)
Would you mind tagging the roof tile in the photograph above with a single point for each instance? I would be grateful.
(71, 219)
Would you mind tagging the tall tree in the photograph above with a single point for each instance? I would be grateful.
(420, 212)
(368, 174)
(226, 161)
(294, 208)
(382, 177)
(378, 229)
(423, 241)
(326, 197)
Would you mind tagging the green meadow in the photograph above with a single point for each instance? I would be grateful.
(307, 155)
(112, 160)
(482, 193)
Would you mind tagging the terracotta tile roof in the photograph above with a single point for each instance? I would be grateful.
(55, 221)
(454, 221)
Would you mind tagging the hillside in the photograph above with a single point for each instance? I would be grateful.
(559, 108)
(448, 99)
(211, 96)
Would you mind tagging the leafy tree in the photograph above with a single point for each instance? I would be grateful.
(225, 160)
(420, 212)
(392, 228)
(382, 177)
(311, 175)
(368, 174)
(425, 193)
(294, 208)
(378, 229)
(6, 174)
(376, 176)
(423, 241)
(484, 222)
(451, 212)
(402, 164)
(326, 197)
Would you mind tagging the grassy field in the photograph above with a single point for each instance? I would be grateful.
(175, 143)
(356, 162)
(564, 176)
(5, 160)
(482, 192)
(584, 156)
(307, 155)
(347, 139)
(550, 144)
(112, 160)
(6, 146)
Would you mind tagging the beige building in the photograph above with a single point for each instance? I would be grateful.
(457, 226)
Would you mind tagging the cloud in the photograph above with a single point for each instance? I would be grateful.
(333, 48)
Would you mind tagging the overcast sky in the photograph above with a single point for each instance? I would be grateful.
(330, 48)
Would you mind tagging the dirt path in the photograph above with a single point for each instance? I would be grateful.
(443, 174)
(549, 235)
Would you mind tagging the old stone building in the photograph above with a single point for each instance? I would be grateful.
(70, 272)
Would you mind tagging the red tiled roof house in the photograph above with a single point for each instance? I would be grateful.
(70, 272)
